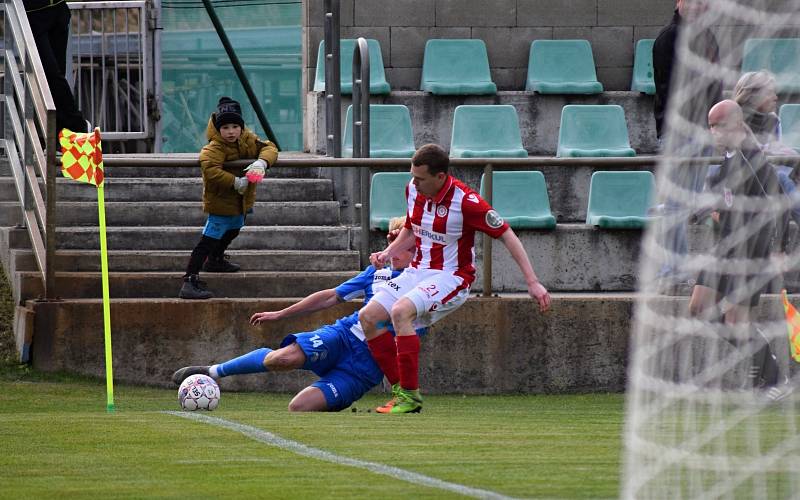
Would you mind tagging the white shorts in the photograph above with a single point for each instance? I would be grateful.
(434, 293)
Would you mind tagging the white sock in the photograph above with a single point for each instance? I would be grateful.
(212, 371)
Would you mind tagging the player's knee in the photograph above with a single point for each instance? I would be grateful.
(403, 311)
(370, 316)
(287, 358)
(298, 406)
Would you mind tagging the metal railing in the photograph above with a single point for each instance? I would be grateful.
(333, 84)
(361, 130)
(114, 66)
(29, 137)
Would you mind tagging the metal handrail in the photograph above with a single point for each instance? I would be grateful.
(333, 84)
(30, 97)
(361, 132)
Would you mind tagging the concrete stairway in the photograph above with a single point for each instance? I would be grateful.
(293, 243)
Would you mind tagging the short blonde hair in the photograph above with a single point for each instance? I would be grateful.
(749, 90)
(397, 223)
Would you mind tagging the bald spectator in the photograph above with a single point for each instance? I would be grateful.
(746, 189)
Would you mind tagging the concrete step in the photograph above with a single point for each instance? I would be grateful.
(123, 213)
(186, 213)
(176, 260)
(244, 284)
(185, 238)
(171, 189)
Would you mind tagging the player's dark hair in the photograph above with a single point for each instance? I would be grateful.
(434, 157)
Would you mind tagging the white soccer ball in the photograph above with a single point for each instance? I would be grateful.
(198, 392)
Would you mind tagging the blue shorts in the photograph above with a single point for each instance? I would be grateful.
(342, 361)
(217, 225)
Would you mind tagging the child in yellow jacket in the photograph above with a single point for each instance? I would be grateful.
(229, 193)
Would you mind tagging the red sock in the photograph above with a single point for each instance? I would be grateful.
(408, 361)
(384, 352)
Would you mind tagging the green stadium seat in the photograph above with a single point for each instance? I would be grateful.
(390, 134)
(387, 198)
(593, 130)
(520, 197)
(562, 67)
(777, 55)
(642, 78)
(790, 125)
(490, 131)
(456, 67)
(619, 200)
(377, 75)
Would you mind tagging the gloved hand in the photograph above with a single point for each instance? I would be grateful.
(256, 170)
(240, 184)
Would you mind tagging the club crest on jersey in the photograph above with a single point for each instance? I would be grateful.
(493, 219)
(728, 195)
(441, 211)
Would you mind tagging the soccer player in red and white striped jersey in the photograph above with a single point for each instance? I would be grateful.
(442, 217)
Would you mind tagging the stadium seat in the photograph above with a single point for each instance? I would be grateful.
(562, 67)
(390, 134)
(486, 131)
(619, 200)
(387, 198)
(593, 130)
(777, 55)
(642, 78)
(456, 67)
(520, 197)
(790, 125)
(377, 76)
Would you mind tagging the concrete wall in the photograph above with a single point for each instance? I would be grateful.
(488, 346)
(507, 26)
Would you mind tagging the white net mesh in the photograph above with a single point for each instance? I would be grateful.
(711, 411)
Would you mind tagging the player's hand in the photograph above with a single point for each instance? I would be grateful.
(263, 317)
(542, 296)
(379, 259)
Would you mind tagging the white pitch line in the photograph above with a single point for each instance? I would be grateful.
(307, 451)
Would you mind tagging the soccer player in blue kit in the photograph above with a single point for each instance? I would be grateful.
(337, 353)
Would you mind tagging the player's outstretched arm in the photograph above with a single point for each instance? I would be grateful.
(317, 301)
(520, 256)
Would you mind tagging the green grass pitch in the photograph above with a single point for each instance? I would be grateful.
(57, 440)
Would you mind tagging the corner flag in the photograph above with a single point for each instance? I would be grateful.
(793, 324)
(82, 160)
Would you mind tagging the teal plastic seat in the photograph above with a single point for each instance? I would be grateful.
(776, 55)
(377, 75)
(456, 67)
(486, 131)
(562, 67)
(790, 125)
(387, 198)
(593, 130)
(619, 200)
(390, 134)
(520, 197)
(642, 78)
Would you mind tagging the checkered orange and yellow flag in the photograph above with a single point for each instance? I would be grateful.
(793, 324)
(82, 158)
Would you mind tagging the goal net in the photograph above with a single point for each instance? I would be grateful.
(711, 411)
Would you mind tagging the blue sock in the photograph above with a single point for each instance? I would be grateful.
(252, 362)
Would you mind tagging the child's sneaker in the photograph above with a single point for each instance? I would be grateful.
(220, 264)
(194, 289)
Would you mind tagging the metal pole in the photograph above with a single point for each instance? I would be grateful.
(333, 83)
(50, 210)
(237, 67)
(361, 135)
(487, 240)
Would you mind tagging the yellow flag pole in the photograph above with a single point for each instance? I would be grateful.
(106, 301)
